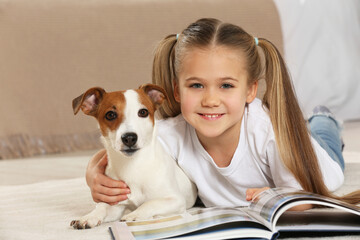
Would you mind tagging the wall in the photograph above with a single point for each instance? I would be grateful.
(322, 50)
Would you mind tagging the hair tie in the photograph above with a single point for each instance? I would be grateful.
(256, 41)
(177, 36)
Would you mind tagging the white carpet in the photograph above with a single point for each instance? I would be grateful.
(44, 211)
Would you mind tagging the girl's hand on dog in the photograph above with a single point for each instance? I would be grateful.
(103, 188)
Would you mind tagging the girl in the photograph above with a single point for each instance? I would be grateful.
(230, 144)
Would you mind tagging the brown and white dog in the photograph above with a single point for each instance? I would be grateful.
(127, 122)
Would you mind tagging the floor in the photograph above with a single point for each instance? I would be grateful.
(351, 136)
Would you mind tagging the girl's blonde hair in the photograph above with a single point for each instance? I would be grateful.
(289, 126)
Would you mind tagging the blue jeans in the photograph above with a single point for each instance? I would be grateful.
(326, 131)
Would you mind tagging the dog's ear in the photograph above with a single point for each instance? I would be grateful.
(89, 101)
(156, 93)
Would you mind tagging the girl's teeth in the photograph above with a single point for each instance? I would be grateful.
(212, 116)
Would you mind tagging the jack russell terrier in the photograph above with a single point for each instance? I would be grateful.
(127, 122)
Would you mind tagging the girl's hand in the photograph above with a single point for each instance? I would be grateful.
(252, 193)
(103, 188)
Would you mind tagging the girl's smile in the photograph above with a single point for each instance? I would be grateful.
(211, 117)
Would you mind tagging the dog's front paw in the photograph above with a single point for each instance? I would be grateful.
(135, 216)
(85, 223)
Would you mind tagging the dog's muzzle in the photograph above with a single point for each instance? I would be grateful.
(129, 139)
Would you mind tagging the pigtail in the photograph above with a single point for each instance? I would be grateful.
(163, 74)
(290, 128)
(289, 125)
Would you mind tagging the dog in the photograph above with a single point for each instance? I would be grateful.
(158, 185)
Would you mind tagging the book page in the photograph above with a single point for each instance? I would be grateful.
(268, 202)
(195, 219)
(271, 203)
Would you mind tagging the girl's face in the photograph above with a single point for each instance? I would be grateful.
(212, 91)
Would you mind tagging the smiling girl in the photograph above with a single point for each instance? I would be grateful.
(231, 144)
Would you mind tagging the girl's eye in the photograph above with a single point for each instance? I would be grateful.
(196, 85)
(111, 115)
(143, 113)
(226, 85)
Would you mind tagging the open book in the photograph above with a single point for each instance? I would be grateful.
(264, 218)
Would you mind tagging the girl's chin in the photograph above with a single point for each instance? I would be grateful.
(207, 133)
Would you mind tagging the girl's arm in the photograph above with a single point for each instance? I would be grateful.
(103, 188)
(252, 193)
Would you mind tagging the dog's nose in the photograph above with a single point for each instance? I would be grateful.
(129, 139)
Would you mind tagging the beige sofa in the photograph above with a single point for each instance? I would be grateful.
(51, 51)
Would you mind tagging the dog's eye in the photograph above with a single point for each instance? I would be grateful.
(143, 113)
(111, 115)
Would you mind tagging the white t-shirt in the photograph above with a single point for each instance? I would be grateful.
(256, 162)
